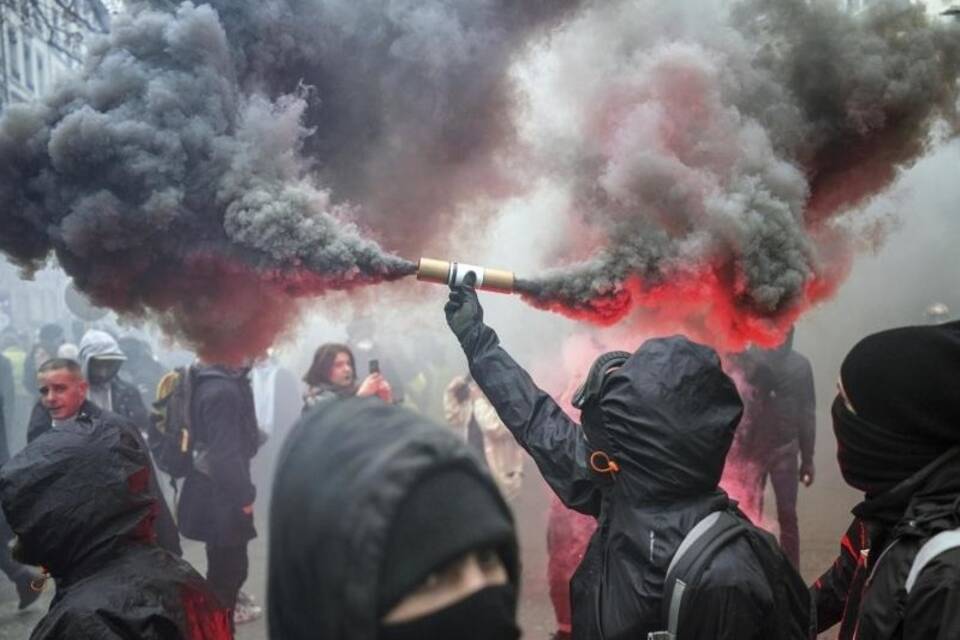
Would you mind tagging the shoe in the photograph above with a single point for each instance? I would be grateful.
(244, 613)
(245, 598)
(28, 595)
(560, 635)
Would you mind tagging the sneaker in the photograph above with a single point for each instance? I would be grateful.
(244, 613)
(245, 598)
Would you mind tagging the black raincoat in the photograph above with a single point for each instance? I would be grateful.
(671, 414)
(215, 492)
(77, 498)
(40, 422)
(342, 474)
(865, 590)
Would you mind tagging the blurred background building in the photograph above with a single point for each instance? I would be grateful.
(43, 40)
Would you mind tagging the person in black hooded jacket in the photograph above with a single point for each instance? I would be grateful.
(78, 500)
(384, 526)
(897, 422)
(216, 505)
(646, 464)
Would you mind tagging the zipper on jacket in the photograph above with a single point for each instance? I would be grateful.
(869, 581)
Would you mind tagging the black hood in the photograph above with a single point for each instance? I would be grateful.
(671, 413)
(341, 477)
(75, 493)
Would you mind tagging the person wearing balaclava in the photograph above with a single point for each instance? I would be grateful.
(385, 526)
(657, 425)
(897, 422)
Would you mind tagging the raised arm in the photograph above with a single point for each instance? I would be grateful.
(554, 441)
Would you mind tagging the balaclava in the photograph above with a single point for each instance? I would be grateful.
(902, 384)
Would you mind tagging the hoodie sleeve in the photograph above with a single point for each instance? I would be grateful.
(219, 411)
(554, 441)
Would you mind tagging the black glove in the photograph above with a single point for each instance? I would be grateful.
(463, 310)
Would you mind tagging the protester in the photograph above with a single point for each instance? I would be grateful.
(776, 437)
(50, 338)
(333, 374)
(657, 425)
(568, 534)
(474, 419)
(403, 537)
(78, 499)
(896, 420)
(64, 394)
(216, 506)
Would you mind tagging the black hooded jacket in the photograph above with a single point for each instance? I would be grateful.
(215, 492)
(342, 476)
(77, 498)
(671, 414)
(40, 423)
(865, 591)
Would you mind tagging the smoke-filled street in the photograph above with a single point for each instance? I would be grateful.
(479, 319)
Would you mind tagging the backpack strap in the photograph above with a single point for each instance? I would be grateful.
(940, 543)
(698, 548)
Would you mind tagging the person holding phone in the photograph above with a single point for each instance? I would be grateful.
(333, 374)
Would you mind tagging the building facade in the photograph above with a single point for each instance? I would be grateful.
(41, 41)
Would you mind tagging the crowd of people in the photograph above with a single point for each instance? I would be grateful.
(387, 525)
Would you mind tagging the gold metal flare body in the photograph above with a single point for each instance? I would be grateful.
(453, 273)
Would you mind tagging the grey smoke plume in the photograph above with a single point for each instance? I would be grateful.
(211, 163)
(714, 149)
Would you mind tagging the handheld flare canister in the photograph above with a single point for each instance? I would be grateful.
(453, 273)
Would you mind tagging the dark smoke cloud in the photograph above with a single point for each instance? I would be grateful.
(212, 163)
(716, 150)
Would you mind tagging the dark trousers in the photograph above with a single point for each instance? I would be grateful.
(227, 571)
(784, 474)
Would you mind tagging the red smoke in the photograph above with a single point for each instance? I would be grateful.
(706, 304)
(225, 309)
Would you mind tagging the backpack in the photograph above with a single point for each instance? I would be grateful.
(170, 436)
(936, 545)
(694, 554)
(701, 544)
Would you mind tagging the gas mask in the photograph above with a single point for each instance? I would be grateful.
(587, 399)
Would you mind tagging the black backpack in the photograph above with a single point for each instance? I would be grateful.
(170, 436)
(710, 536)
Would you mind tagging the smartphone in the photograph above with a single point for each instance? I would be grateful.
(374, 366)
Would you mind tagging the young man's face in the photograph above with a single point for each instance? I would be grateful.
(341, 371)
(61, 392)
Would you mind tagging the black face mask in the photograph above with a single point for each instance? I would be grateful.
(488, 614)
(102, 370)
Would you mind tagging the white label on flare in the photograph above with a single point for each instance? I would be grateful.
(460, 270)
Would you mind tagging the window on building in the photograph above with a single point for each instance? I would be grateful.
(27, 64)
(13, 42)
